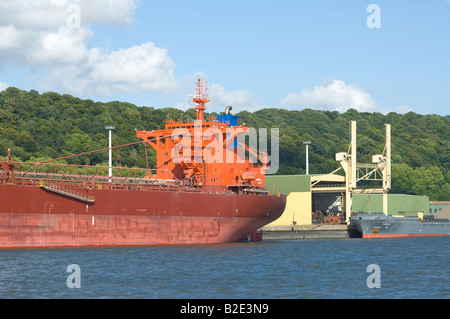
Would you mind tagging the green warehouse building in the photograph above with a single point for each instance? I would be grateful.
(311, 193)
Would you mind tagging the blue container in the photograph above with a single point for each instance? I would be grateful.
(227, 118)
(230, 119)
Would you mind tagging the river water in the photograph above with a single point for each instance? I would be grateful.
(312, 269)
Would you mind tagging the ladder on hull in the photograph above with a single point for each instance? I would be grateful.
(61, 190)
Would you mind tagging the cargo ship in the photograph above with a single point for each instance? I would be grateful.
(376, 225)
(189, 198)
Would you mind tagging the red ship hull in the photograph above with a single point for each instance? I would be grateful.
(33, 217)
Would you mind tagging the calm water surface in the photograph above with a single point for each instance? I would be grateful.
(337, 268)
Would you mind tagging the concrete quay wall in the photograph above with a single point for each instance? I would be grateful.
(315, 231)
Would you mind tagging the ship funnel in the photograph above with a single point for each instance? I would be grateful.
(228, 109)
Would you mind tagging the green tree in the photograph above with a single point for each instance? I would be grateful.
(51, 125)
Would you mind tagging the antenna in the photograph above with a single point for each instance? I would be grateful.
(201, 98)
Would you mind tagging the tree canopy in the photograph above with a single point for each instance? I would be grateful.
(50, 125)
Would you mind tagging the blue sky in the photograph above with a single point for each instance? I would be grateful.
(254, 54)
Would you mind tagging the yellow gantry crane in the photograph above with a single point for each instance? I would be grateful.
(378, 170)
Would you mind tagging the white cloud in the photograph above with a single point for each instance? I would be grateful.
(240, 100)
(3, 86)
(403, 109)
(219, 97)
(53, 35)
(139, 68)
(10, 37)
(40, 15)
(65, 46)
(113, 12)
(331, 95)
(46, 15)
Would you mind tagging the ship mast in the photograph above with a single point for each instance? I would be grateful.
(201, 98)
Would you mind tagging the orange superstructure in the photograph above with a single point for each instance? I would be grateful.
(206, 153)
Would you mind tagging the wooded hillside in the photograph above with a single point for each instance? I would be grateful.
(50, 125)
